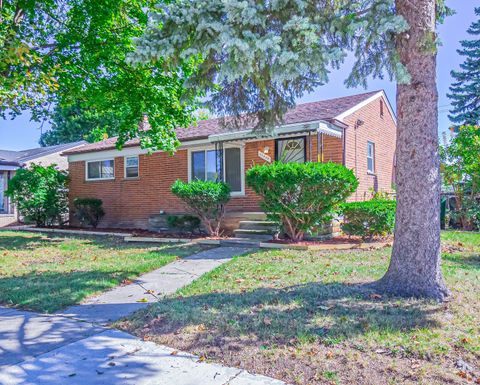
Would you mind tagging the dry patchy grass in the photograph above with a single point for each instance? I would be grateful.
(312, 318)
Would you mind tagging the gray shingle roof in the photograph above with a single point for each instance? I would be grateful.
(9, 157)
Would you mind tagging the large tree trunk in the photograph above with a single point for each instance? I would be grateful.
(415, 264)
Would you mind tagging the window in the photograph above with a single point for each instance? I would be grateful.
(102, 169)
(291, 150)
(214, 165)
(371, 157)
(131, 166)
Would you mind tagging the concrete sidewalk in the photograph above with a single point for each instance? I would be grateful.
(75, 347)
(116, 358)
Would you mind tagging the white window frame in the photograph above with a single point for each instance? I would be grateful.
(99, 160)
(125, 167)
(212, 147)
(372, 157)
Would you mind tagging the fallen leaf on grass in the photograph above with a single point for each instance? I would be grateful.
(267, 321)
(126, 282)
(325, 307)
(329, 355)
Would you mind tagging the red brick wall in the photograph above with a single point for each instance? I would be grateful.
(129, 202)
(380, 130)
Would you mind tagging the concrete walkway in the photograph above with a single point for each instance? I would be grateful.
(123, 300)
(75, 346)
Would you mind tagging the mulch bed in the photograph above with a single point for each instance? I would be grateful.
(339, 240)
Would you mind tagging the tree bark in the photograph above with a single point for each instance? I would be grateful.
(415, 264)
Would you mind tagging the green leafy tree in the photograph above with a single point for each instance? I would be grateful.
(71, 54)
(206, 199)
(461, 172)
(40, 194)
(72, 123)
(301, 196)
(258, 56)
(465, 91)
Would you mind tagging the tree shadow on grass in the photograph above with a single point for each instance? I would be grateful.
(329, 313)
(467, 261)
(51, 291)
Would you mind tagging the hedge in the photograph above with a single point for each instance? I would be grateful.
(367, 219)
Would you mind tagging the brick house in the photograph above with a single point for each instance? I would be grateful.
(358, 131)
(10, 161)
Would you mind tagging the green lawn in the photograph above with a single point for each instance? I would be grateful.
(309, 318)
(46, 273)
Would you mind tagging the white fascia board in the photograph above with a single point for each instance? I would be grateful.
(379, 94)
(127, 151)
(9, 168)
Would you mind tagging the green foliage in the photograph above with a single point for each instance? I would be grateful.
(72, 124)
(184, 223)
(88, 211)
(207, 199)
(461, 173)
(259, 56)
(72, 55)
(301, 196)
(369, 218)
(465, 90)
(40, 194)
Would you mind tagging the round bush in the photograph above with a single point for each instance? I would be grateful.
(206, 199)
(88, 211)
(301, 196)
(370, 218)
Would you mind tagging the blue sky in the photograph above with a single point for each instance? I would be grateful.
(21, 133)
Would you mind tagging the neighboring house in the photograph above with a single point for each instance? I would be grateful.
(358, 131)
(10, 161)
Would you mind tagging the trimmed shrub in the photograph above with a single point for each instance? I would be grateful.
(184, 223)
(206, 199)
(301, 196)
(88, 211)
(40, 194)
(368, 219)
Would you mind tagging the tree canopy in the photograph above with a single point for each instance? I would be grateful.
(259, 56)
(465, 90)
(71, 54)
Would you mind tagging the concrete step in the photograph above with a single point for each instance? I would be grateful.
(250, 216)
(253, 234)
(258, 225)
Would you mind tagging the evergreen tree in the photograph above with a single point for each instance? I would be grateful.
(465, 91)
